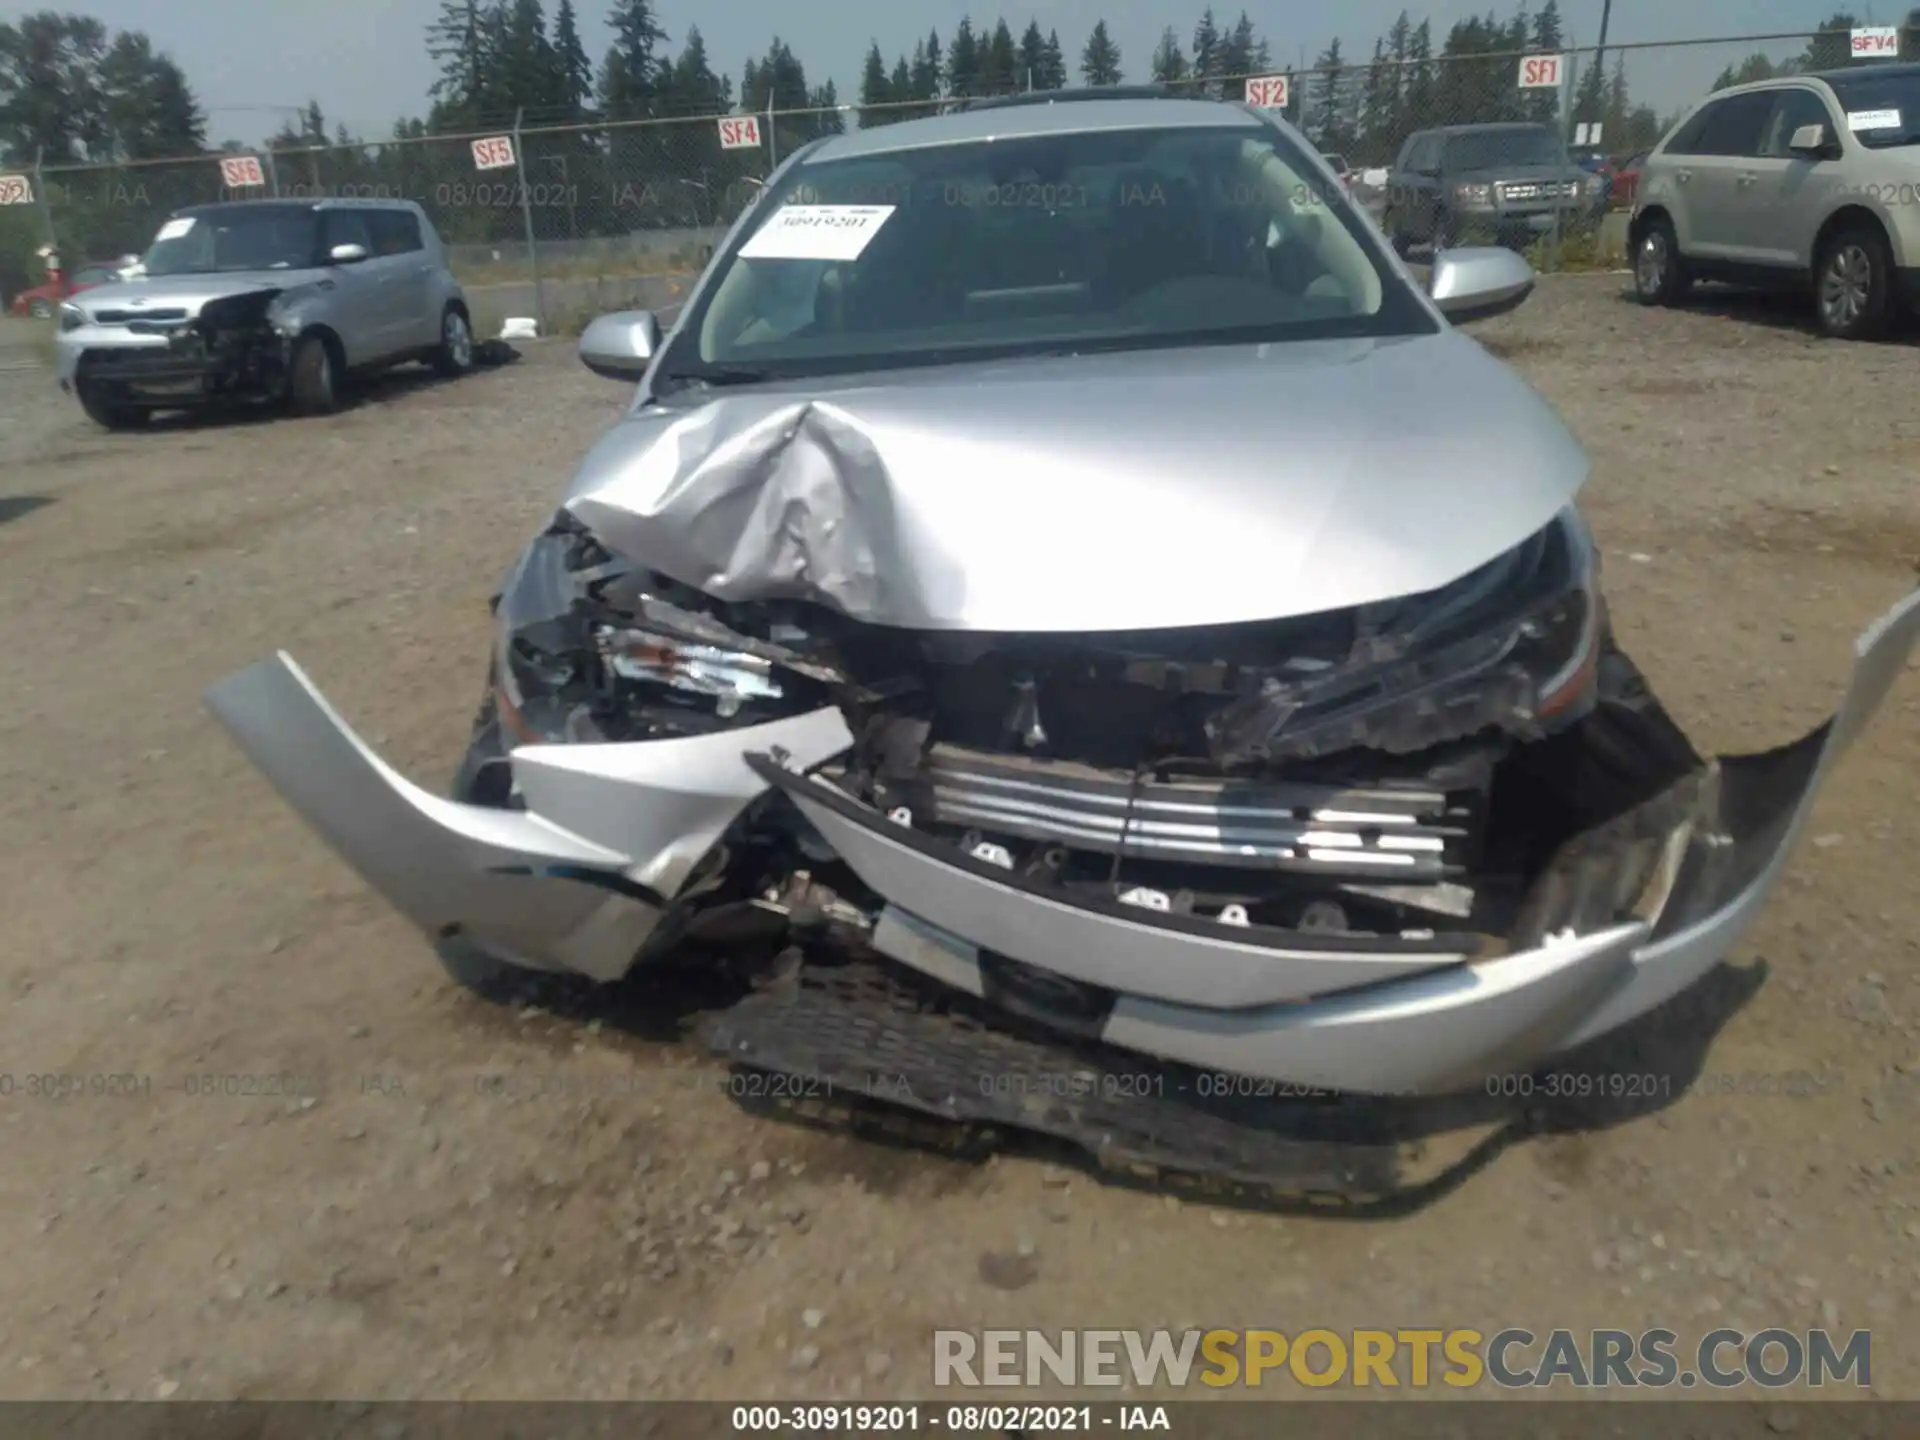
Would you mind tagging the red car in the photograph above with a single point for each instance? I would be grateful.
(1626, 181)
(42, 300)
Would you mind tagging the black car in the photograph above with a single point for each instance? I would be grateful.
(1504, 181)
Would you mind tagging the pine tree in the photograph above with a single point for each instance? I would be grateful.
(1379, 108)
(1326, 120)
(874, 90)
(997, 72)
(573, 72)
(1055, 61)
(926, 69)
(1100, 60)
(629, 78)
(1169, 60)
(963, 62)
(458, 42)
(1206, 53)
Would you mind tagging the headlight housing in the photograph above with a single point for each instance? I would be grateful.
(1475, 196)
(72, 317)
(1513, 646)
(587, 648)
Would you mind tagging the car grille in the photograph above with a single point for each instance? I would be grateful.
(1413, 834)
(1530, 190)
(123, 317)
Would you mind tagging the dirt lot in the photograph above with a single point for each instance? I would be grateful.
(390, 1232)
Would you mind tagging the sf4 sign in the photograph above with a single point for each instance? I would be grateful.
(1539, 72)
(15, 190)
(1876, 42)
(1267, 92)
(495, 152)
(239, 170)
(739, 132)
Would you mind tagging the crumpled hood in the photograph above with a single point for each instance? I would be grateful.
(1133, 491)
(189, 291)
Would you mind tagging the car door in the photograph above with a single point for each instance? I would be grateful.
(406, 280)
(1721, 205)
(1416, 188)
(1789, 192)
(354, 309)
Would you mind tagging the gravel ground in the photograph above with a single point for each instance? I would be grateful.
(376, 1228)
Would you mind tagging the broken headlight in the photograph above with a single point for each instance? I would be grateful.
(584, 652)
(1513, 645)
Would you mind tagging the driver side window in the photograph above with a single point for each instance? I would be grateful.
(1793, 109)
(346, 227)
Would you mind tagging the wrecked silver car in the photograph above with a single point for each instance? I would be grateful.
(1065, 585)
(264, 300)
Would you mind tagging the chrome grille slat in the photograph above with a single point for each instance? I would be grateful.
(1273, 826)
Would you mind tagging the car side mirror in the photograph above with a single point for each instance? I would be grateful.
(349, 254)
(620, 345)
(1477, 283)
(1810, 141)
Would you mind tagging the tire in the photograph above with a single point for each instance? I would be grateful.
(1659, 270)
(1396, 236)
(106, 414)
(454, 357)
(311, 378)
(40, 310)
(1853, 284)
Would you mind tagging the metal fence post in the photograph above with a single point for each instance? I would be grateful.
(526, 216)
(273, 171)
(773, 148)
(41, 202)
(1567, 105)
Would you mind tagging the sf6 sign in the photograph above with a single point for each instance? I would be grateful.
(1539, 72)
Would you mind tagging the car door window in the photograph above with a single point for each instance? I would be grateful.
(1686, 140)
(1791, 110)
(1736, 124)
(395, 232)
(348, 227)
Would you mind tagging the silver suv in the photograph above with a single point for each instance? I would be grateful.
(264, 300)
(1809, 182)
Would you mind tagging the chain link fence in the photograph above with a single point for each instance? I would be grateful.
(588, 215)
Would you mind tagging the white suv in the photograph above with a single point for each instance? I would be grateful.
(1811, 181)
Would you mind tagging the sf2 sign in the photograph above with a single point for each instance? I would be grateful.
(739, 132)
(1539, 72)
(495, 152)
(239, 170)
(1876, 42)
(15, 190)
(1267, 92)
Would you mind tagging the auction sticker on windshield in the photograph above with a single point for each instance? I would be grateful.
(1873, 119)
(817, 232)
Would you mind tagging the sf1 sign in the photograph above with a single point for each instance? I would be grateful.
(237, 171)
(1267, 92)
(1539, 72)
(739, 132)
(495, 152)
(1876, 42)
(15, 190)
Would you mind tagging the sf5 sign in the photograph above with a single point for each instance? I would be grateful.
(1539, 72)
(495, 152)
(739, 132)
(1267, 92)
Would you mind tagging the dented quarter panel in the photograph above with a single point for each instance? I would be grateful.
(1027, 495)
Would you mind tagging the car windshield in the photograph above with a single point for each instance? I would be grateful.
(1064, 242)
(1882, 110)
(1490, 149)
(212, 241)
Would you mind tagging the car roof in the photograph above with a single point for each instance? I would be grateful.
(1046, 114)
(343, 202)
(1490, 128)
(1900, 72)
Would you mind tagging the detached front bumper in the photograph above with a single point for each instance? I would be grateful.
(612, 833)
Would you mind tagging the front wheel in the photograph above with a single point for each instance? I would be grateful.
(1659, 274)
(109, 416)
(455, 355)
(1854, 288)
(311, 379)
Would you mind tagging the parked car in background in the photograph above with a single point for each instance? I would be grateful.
(1808, 182)
(42, 300)
(1512, 181)
(1626, 181)
(264, 299)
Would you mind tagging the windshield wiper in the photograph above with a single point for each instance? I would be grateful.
(715, 377)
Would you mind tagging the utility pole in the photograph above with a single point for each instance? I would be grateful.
(1600, 46)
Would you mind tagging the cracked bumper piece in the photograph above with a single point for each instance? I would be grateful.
(575, 882)
(1385, 1015)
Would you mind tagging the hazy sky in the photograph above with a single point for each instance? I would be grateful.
(365, 61)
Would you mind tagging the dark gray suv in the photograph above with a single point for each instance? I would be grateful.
(1505, 180)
